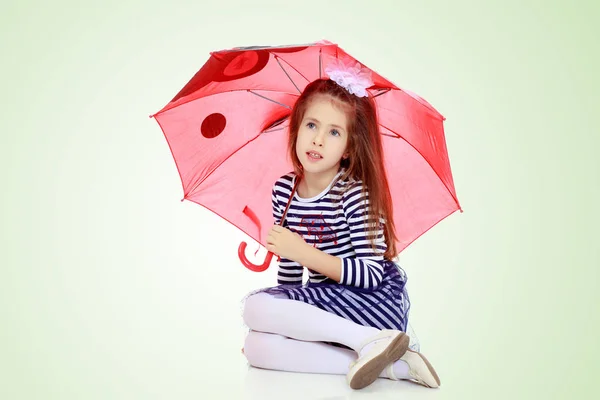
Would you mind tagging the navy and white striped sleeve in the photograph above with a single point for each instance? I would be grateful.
(365, 269)
(288, 272)
(277, 211)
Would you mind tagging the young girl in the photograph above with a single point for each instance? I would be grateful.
(351, 316)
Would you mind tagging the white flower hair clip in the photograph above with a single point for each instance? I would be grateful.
(353, 78)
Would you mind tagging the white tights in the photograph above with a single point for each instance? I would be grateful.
(288, 335)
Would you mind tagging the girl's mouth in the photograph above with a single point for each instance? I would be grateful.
(314, 156)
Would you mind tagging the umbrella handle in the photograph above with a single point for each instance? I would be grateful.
(248, 264)
(267, 262)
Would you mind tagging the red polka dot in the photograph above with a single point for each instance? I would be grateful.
(239, 65)
(213, 125)
(231, 65)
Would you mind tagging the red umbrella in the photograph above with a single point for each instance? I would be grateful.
(227, 131)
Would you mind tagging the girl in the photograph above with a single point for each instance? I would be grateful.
(351, 316)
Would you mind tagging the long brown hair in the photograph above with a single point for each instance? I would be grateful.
(365, 160)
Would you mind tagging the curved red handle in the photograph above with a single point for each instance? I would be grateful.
(250, 265)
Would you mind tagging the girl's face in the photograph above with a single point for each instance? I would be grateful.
(322, 137)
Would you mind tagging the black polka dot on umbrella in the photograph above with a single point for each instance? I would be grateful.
(213, 125)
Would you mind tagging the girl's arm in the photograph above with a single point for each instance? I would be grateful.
(321, 262)
(365, 268)
(288, 272)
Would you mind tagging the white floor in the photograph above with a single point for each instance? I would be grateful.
(263, 384)
(241, 381)
(246, 382)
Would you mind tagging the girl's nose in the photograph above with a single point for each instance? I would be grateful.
(318, 140)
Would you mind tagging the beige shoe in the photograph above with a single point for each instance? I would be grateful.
(365, 370)
(420, 370)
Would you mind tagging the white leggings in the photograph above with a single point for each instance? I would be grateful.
(288, 335)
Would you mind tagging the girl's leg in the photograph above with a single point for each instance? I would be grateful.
(275, 352)
(298, 320)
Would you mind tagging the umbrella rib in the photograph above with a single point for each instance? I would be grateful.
(273, 130)
(391, 130)
(437, 113)
(167, 108)
(292, 67)
(266, 98)
(286, 74)
(320, 63)
(432, 109)
(428, 163)
(383, 91)
(221, 163)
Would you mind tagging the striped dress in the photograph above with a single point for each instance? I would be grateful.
(371, 290)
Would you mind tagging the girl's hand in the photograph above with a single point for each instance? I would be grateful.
(285, 243)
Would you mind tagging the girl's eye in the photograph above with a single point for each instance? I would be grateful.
(335, 133)
(310, 125)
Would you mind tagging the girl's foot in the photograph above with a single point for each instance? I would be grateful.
(419, 370)
(380, 351)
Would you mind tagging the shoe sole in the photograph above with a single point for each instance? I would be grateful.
(430, 367)
(372, 369)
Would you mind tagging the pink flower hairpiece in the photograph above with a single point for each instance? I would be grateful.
(353, 78)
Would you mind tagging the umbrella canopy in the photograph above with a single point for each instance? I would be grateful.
(227, 131)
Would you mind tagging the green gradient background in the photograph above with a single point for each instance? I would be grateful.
(105, 285)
